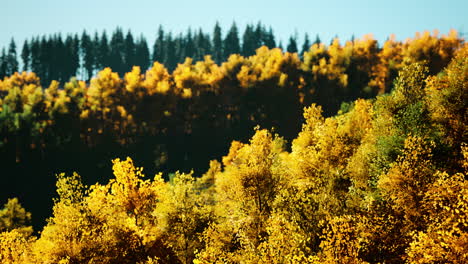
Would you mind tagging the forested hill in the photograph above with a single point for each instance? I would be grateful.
(383, 181)
(181, 120)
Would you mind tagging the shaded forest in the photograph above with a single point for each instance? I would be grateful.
(345, 153)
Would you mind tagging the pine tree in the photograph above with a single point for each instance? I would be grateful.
(259, 33)
(60, 61)
(317, 39)
(179, 44)
(142, 54)
(72, 54)
(158, 47)
(248, 42)
(170, 60)
(292, 45)
(76, 54)
(3, 64)
(269, 39)
(12, 58)
(306, 45)
(44, 60)
(35, 56)
(87, 53)
(189, 45)
(103, 51)
(217, 44)
(95, 42)
(26, 56)
(202, 46)
(231, 42)
(129, 52)
(117, 48)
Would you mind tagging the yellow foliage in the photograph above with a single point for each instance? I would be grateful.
(408, 179)
(446, 238)
(19, 80)
(15, 247)
(192, 80)
(157, 79)
(133, 79)
(14, 217)
(267, 65)
(104, 91)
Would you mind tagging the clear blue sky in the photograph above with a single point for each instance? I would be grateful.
(22, 19)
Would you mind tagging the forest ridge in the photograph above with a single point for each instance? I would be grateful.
(363, 159)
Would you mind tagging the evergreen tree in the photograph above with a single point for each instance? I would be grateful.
(317, 39)
(12, 58)
(129, 52)
(202, 46)
(231, 42)
(72, 56)
(87, 53)
(248, 42)
(3, 64)
(35, 56)
(59, 63)
(102, 55)
(117, 49)
(169, 60)
(217, 44)
(189, 45)
(142, 54)
(180, 44)
(306, 45)
(95, 42)
(26, 56)
(259, 33)
(292, 45)
(76, 53)
(158, 47)
(269, 39)
(44, 60)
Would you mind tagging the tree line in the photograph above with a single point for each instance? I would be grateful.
(58, 57)
(382, 181)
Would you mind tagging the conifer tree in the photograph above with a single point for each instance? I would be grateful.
(35, 65)
(306, 45)
(269, 39)
(103, 51)
(169, 58)
(87, 53)
(189, 45)
(158, 47)
(3, 64)
(248, 42)
(292, 45)
(12, 58)
(217, 44)
(129, 52)
(26, 56)
(202, 46)
(231, 42)
(72, 55)
(142, 54)
(317, 39)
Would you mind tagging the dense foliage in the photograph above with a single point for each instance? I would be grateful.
(384, 180)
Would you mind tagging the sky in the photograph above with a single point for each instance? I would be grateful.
(22, 19)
